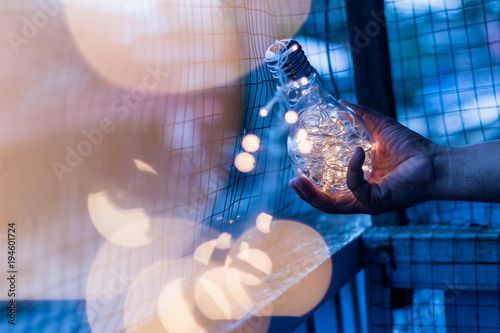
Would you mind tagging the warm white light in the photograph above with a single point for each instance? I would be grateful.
(224, 241)
(251, 143)
(220, 295)
(257, 259)
(293, 258)
(244, 246)
(305, 146)
(304, 80)
(263, 223)
(124, 227)
(159, 297)
(263, 112)
(174, 312)
(203, 253)
(244, 162)
(143, 166)
(301, 135)
(178, 37)
(291, 117)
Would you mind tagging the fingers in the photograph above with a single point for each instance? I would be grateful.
(294, 187)
(345, 204)
(356, 182)
(371, 117)
(307, 192)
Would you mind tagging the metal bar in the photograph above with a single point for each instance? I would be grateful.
(338, 313)
(310, 325)
(355, 304)
(372, 69)
(370, 54)
(372, 72)
(378, 300)
(440, 257)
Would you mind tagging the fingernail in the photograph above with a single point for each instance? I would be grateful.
(299, 186)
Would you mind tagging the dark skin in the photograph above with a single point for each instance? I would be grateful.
(408, 169)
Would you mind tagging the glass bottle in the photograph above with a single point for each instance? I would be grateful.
(323, 133)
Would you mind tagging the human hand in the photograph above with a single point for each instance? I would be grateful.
(403, 174)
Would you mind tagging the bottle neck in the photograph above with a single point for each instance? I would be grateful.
(287, 62)
(295, 76)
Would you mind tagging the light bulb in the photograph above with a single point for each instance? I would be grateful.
(323, 139)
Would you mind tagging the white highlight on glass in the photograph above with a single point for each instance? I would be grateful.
(305, 146)
(291, 117)
(301, 135)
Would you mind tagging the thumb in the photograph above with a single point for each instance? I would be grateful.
(356, 182)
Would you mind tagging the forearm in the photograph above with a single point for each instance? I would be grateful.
(468, 173)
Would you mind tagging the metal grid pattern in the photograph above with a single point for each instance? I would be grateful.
(55, 88)
(433, 279)
(445, 59)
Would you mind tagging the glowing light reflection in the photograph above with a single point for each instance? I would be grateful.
(224, 241)
(244, 162)
(251, 143)
(257, 259)
(175, 314)
(203, 253)
(263, 223)
(301, 134)
(291, 117)
(299, 274)
(124, 227)
(143, 166)
(305, 146)
(220, 295)
(141, 32)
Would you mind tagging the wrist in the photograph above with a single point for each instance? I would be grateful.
(442, 187)
(451, 173)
